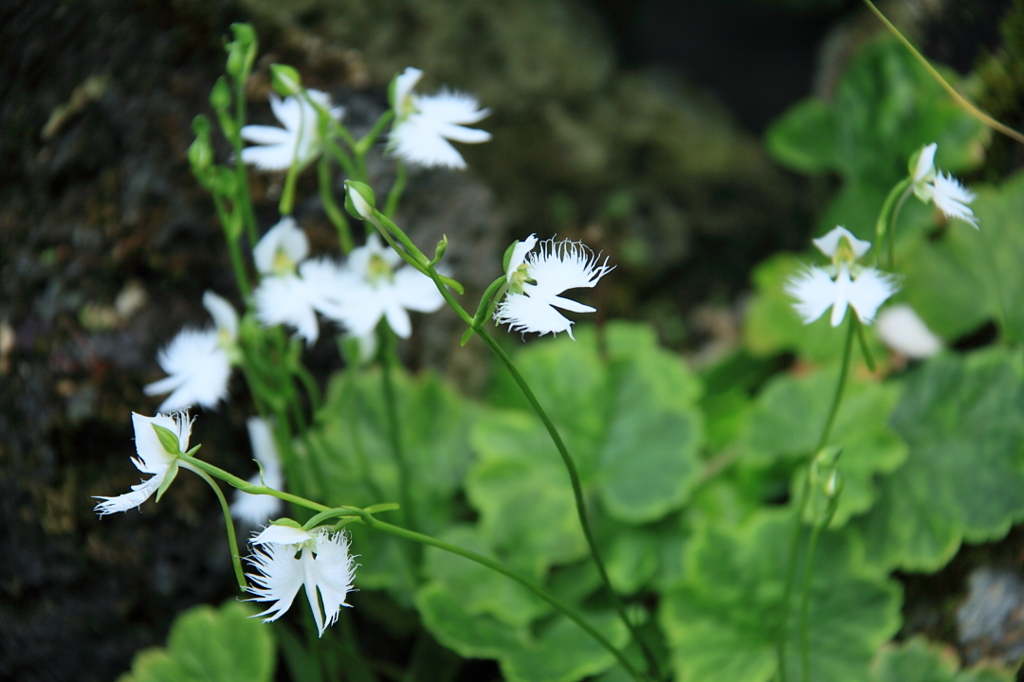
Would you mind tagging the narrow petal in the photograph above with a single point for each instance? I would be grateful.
(569, 304)
(828, 243)
(222, 312)
(925, 165)
(870, 290)
(398, 320)
(404, 84)
(518, 256)
(814, 292)
(267, 135)
(139, 494)
(278, 579)
(902, 330)
(287, 111)
(524, 313)
(842, 292)
(275, 157)
(459, 133)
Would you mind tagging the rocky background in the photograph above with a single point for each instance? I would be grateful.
(633, 125)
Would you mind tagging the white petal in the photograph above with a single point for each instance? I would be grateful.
(267, 135)
(451, 107)
(398, 320)
(870, 290)
(270, 158)
(569, 304)
(420, 144)
(814, 292)
(152, 454)
(843, 291)
(559, 266)
(462, 133)
(287, 111)
(222, 312)
(925, 163)
(415, 291)
(404, 84)
(286, 300)
(518, 256)
(198, 371)
(276, 534)
(139, 494)
(952, 198)
(278, 579)
(264, 449)
(284, 237)
(332, 573)
(830, 242)
(901, 329)
(524, 313)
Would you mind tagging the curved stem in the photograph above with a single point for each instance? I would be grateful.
(805, 605)
(957, 97)
(252, 488)
(805, 493)
(228, 522)
(886, 225)
(395, 193)
(540, 592)
(334, 214)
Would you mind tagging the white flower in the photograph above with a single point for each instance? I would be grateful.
(902, 330)
(941, 188)
(288, 558)
(376, 286)
(842, 284)
(298, 142)
(256, 510)
(424, 124)
(536, 280)
(152, 459)
(198, 362)
(293, 289)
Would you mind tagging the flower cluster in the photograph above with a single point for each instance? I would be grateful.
(537, 279)
(842, 284)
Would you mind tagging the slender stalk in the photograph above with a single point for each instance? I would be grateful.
(229, 524)
(957, 97)
(334, 214)
(540, 592)
(886, 223)
(805, 605)
(369, 520)
(248, 214)
(395, 193)
(805, 493)
(237, 263)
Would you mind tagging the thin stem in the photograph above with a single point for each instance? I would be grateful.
(237, 263)
(868, 358)
(805, 604)
(228, 522)
(248, 214)
(395, 193)
(805, 493)
(885, 225)
(334, 214)
(555, 602)
(252, 488)
(895, 222)
(367, 140)
(957, 97)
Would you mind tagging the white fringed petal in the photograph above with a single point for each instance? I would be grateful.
(198, 370)
(952, 198)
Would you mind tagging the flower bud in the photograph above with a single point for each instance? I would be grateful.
(286, 80)
(439, 250)
(241, 51)
(220, 96)
(200, 152)
(825, 485)
(359, 200)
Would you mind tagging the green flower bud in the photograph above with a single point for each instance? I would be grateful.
(241, 51)
(359, 200)
(286, 80)
(220, 96)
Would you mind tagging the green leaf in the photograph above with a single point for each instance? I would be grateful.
(210, 645)
(788, 418)
(560, 652)
(920, 661)
(722, 622)
(963, 422)
(804, 138)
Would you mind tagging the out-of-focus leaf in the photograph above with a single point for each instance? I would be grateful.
(210, 645)
(722, 622)
(963, 421)
(920, 661)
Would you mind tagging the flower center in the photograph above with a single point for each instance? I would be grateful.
(845, 253)
(378, 269)
(283, 264)
(520, 276)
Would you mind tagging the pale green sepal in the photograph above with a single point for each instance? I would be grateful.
(168, 439)
(382, 507)
(364, 204)
(448, 281)
(285, 521)
(286, 80)
(508, 256)
(172, 471)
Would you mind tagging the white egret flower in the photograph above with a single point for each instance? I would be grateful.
(198, 361)
(293, 289)
(943, 189)
(257, 510)
(298, 141)
(153, 459)
(377, 285)
(536, 280)
(902, 330)
(424, 123)
(842, 284)
(288, 558)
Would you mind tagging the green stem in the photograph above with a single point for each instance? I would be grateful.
(957, 97)
(395, 193)
(237, 263)
(886, 226)
(369, 520)
(805, 493)
(368, 140)
(540, 592)
(868, 358)
(248, 214)
(334, 214)
(228, 522)
(805, 605)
